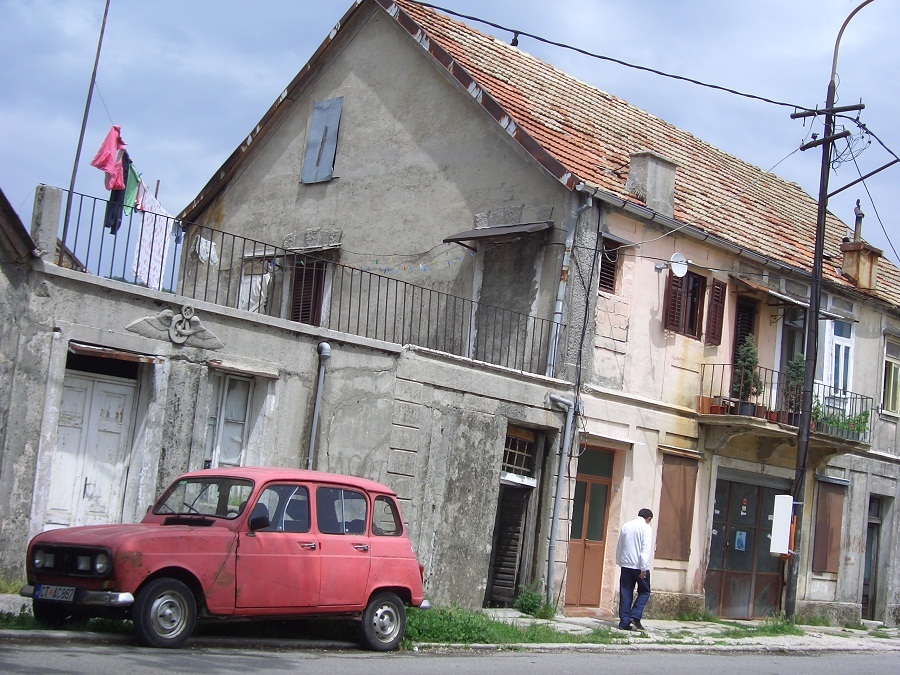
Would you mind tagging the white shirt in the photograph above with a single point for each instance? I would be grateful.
(633, 549)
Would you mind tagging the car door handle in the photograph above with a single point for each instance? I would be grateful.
(361, 547)
(311, 545)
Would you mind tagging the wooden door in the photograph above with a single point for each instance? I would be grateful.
(587, 536)
(87, 480)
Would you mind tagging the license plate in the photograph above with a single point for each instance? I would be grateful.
(59, 593)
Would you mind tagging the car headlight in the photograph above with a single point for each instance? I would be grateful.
(38, 558)
(101, 563)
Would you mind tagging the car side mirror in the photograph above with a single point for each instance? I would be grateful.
(259, 522)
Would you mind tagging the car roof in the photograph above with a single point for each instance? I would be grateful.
(266, 474)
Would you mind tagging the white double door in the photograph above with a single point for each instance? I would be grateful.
(90, 465)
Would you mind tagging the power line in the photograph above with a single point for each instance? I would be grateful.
(611, 59)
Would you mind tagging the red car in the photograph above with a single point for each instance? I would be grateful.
(249, 542)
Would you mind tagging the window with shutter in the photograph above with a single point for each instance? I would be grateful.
(684, 304)
(321, 143)
(827, 539)
(744, 319)
(716, 316)
(676, 507)
(609, 263)
(309, 285)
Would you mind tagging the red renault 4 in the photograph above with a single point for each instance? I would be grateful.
(249, 542)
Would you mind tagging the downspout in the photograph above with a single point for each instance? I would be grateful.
(561, 292)
(569, 407)
(324, 350)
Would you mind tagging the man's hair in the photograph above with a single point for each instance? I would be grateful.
(645, 513)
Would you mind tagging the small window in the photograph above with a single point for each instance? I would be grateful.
(226, 428)
(609, 265)
(684, 304)
(321, 143)
(340, 511)
(386, 518)
(518, 453)
(890, 398)
(827, 542)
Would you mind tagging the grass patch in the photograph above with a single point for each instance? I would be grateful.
(458, 626)
(880, 633)
(24, 620)
(855, 625)
(814, 620)
(772, 626)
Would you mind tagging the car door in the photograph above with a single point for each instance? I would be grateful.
(278, 565)
(341, 519)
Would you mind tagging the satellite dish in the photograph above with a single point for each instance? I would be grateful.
(678, 264)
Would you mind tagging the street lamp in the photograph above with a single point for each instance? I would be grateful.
(812, 324)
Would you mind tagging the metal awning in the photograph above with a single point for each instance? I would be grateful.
(497, 233)
(110, 353)
(787, 299)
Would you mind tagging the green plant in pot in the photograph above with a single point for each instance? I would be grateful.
(745, 380)
(792, 388)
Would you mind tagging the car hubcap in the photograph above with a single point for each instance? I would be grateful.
(168, 615)
(386, 623)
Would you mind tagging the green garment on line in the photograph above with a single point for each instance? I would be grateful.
(132, 182)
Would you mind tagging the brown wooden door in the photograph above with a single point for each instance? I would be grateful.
(587, 537)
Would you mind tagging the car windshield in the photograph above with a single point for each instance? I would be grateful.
(207, 496)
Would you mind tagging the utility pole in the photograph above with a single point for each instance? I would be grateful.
(812, 321)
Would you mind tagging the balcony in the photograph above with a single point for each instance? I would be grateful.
(306, 285)
(772, 397)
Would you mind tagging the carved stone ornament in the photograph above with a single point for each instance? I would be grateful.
(182, 329)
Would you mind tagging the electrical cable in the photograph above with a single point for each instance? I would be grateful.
(611, 59)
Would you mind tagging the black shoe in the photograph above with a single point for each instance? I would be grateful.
(637, 624)
(628, 627)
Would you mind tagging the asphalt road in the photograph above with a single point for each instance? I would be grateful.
(98, 659)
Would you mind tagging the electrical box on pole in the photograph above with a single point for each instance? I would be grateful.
(782, 515)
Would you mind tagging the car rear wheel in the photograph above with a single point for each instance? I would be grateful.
(164, 613)
(383, 623)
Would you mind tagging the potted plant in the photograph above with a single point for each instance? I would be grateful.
(745, 379)
(792, 389)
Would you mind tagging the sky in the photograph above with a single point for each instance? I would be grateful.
(187, 80)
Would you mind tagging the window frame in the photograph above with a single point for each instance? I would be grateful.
(828, 527)
(891, 362)
(607, 281)
(215, 420)
(685, 298)
(678, 495)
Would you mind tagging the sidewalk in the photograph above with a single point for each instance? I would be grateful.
(660, 635)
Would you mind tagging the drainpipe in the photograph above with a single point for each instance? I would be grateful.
(569, 407)
(561, 293)
(324, 350)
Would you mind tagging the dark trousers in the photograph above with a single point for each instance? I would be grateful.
(629, 610)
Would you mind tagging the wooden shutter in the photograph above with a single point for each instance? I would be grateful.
(829, 513)
(309, 282)
(744, 319)
(676, 508)
(609, 258)
(716, 316)
(321, 143)
(674, 303)
(513, 503)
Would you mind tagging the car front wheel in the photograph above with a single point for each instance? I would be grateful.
(164, 613)
(383, 623)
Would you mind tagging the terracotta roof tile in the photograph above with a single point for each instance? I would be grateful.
(592, 134)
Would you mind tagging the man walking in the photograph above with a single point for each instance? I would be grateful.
(633, 556)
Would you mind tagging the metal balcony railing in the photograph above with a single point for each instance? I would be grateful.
(730, 389)
(304, 285)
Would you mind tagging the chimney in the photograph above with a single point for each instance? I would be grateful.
(860, 262)
(651, 179)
